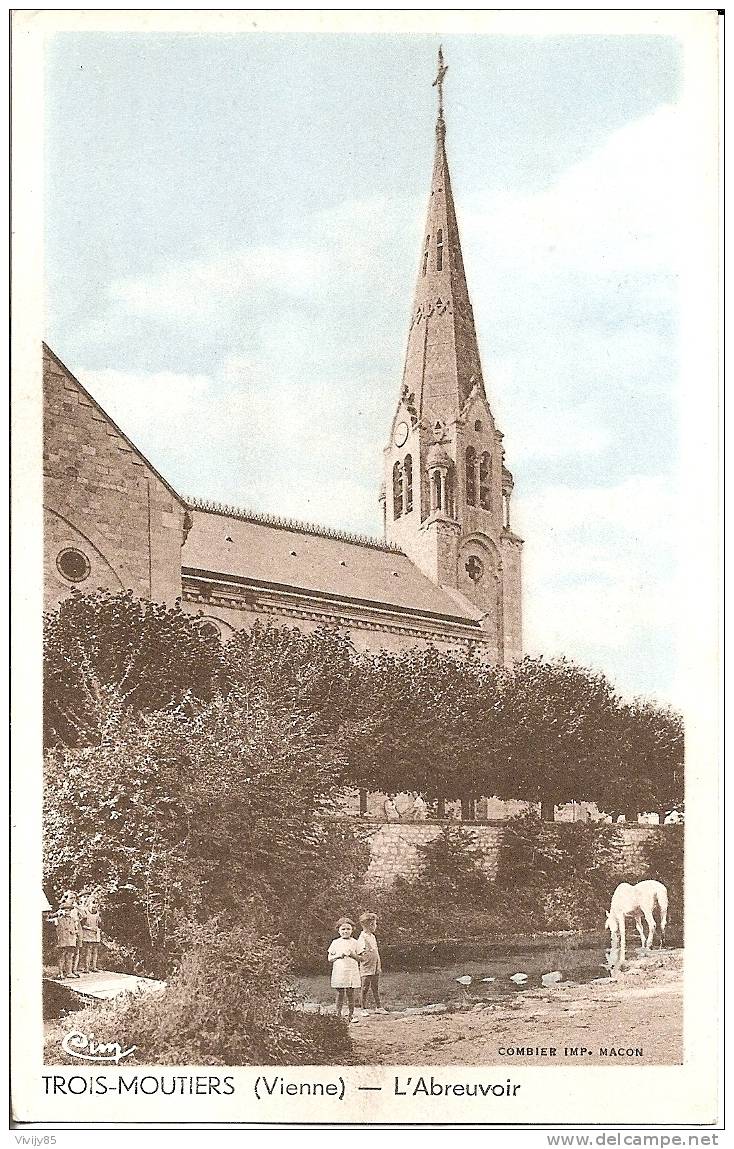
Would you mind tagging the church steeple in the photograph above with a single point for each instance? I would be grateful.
(447, 491)
(442, 363)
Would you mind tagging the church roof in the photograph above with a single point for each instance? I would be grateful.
(294, 557)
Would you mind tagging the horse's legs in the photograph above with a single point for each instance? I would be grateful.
(641, 932)
(663, 904)
(621, 939)
(649, 918)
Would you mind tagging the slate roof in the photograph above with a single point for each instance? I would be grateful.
(296, 557)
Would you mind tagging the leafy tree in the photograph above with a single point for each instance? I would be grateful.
(113, 820)
(567, 870)
(106, 654)
(557, 719)
(204, 814)
(318, 673)
(428, 723)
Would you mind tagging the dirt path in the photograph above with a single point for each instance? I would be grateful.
(639, 1012)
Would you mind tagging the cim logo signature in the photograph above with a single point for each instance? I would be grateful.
(78, 1044)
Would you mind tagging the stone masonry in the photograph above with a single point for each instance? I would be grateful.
(103, 501)
(395, 854)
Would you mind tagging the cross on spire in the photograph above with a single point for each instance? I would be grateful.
(438, 82)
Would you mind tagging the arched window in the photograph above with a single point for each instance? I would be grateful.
(484, 477)
(471, 477)
(408, 472)
(397, 491)
(439, 250)
(425, 254)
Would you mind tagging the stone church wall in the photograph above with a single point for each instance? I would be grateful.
(395, 853)
(101, 499)
(375, 636)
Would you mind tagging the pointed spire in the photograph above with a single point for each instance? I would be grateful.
(442, 364)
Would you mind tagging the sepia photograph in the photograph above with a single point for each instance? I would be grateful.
(367, 735)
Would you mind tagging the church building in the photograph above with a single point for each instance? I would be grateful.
(446, 572)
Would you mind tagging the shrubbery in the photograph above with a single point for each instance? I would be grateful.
(190, 782)
(230, 1002)
(550, 878)
(664, 859)
(567, 870)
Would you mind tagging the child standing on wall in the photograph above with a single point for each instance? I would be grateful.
(344, 967)
(370, 966)
(91, 921)
(66, 920)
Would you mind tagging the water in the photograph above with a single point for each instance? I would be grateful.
(415, 976)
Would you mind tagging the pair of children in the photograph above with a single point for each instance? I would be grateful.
(78, 934)
(355, 964)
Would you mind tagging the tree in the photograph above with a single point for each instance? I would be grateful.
(644, 764)
(428, 722)
(557, 718)
(105, 654)
(113, 821)
(317, 673)
(451, 869)
(199, 814)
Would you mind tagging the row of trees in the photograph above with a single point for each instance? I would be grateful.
(543, 731)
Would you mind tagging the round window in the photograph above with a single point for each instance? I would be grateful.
(73, 564)
(210, 630)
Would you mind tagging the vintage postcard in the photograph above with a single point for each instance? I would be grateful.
(365, 568)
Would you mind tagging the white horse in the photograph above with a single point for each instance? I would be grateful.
(640, 900)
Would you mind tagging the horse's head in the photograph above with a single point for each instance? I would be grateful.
(611, 924)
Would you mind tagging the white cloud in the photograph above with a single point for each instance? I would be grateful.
(335, 250)
(598, 570)
(617, 210)
(291, 418)
(249, 437)
(200, 289)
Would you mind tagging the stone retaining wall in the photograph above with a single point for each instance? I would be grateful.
(395, 853)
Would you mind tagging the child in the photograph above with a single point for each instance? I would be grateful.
(76, 912)
(370, 966)
(345, 967)
(91, 921)
(67, 932)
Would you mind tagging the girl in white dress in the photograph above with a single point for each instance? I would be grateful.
(345, 976)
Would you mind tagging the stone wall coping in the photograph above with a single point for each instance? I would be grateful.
(378, 823)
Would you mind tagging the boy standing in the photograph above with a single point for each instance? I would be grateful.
(370, 966)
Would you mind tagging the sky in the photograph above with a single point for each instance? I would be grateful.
(233, 231)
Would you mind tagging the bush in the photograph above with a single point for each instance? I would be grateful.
(568, 871)
(336, 889)
(664, 860)
(451, 868)
(229, 1003)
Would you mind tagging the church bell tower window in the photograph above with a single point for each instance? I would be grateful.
(471, 477)
(439, 250)
(408, 473)
(425, 254)
(484, 474)
(397, 491)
